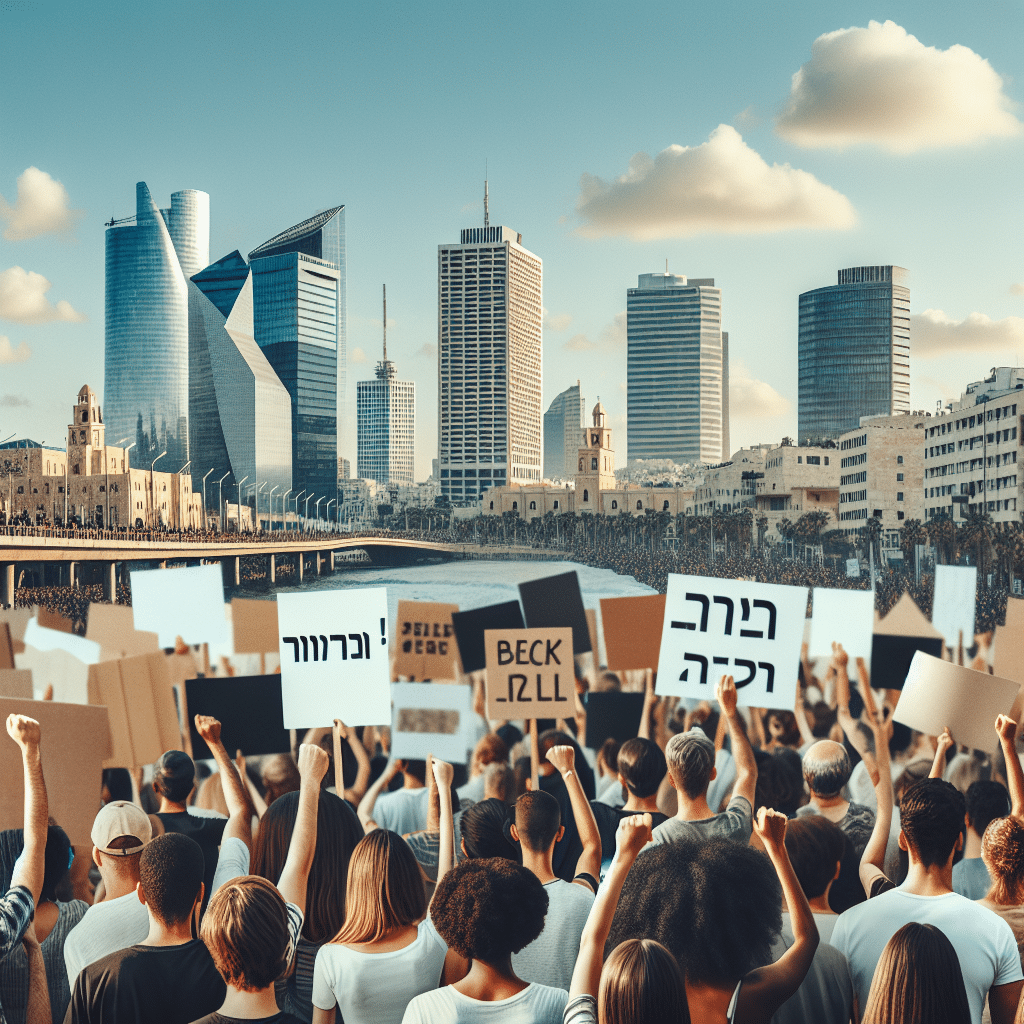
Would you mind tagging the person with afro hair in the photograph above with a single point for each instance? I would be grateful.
(486, 910)
(715, 904)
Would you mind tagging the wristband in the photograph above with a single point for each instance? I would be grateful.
(567, 774)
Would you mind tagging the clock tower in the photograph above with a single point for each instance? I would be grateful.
(595, 468)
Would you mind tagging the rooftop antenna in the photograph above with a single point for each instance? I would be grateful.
(487, 210)
(666, 264)
(385, 323)
(385, 368)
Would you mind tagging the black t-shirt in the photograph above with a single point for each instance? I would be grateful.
(165, 984)
(219, 1018)
(207, 832)
(608, 819)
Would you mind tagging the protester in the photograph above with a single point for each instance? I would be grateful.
(985, 801)
(402, 811)
(279, 776)
(491, 749)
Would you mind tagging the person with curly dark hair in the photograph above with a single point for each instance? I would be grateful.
(986, 801)
(486, 910)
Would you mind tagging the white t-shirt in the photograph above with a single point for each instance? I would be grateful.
(375, 988)
(403, 811)
(536, 1004)
(983, 941)
(550, 958)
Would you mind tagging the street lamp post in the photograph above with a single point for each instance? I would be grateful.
(106, 482)
(297, 496)
(152, 485)
(178, 487)
(270, 498)
(306, 515)
(327, 511)
(316, 510)
(256, 501)
(204, 499)
(220, 502)
(284, 509)
(238, 520)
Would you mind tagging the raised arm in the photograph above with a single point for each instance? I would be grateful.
(633, 834)
(259, 805)
(37, 1010)
(366, 805)
(742, 751)
(239, 824)
(943, 744)
(650, 700)
(443, 774)
(29, 868)
(313, 763)
(872, 861)
(358, 789)
(564, 760)
(1006, 728)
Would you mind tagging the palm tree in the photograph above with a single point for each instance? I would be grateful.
(942, 532)
(872, 533)
(979, 530)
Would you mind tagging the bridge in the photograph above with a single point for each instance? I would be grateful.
(40, 557)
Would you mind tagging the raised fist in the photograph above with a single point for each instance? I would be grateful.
(209, 728)
(563, 758)
(725, 694)
(771, 827)
(23, 730)
(633, 834)
(313, 762)
(444, 773)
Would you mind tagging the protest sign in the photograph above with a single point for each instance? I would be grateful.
(74, 741)
(556, 601)
(844, 617)
(16, 682)
(44, 639)
(424, 641)
(334, 657)
(255, 626)
(750, 631)
(6, 647)
(1008, 660)
(112, 626)
(17, 620)
(853, 568)
(470, 627)
(615, 715)
(53, 620)
(592, 632)
(632, 630)
(432, 719)
(249, 710)
(186, 602)
(898, 636)
(953, 605)
(529, 673)
(64, 672)
(939, 693)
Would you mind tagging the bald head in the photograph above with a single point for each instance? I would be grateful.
(827, 768)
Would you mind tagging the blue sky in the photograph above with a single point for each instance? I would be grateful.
(278, 110)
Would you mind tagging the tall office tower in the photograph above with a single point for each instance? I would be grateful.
(489, 362)
(563, 428)
(726, 442)
(675, 377)
(386, 423)
(146, 380)
(299, 319)
(242, 413)
(854, 346)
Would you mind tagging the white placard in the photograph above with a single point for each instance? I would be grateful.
(938, 693)
(956, 588)
(187, 602)
(751, 631)
(418, 707)
(334, 657)
(43, 639)
(853, 568)
(844, 616)
(68, 676)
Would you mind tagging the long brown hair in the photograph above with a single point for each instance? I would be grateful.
(385, 888)
(1002, 851)
(641, 984)
(918, 979)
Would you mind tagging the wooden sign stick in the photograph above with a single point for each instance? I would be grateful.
(339, 781)
(534, 756)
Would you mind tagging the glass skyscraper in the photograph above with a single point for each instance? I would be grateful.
(386, 427)
(298, 280)
(854, 351)
(563, 433)
(676, 375)
(146, 352)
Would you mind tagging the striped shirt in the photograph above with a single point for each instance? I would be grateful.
(16, 910)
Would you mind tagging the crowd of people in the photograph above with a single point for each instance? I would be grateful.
(821, 864)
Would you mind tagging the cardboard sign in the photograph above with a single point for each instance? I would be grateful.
(249, 710)
(938, 693)
(432, 719)
(17, 621)
(425, 646)
(853, 568)
(1008, 660)
(112, 626)
(255, 626)
(68, 676)
(716, 627)
(75, 741)
(43, 639)
(845, 617)
(334, 657)
(16, 682)
(187, 602)
(529, 673)
(956, 588)
(632, 631)
(470, 628)
(556, 601)
(615, 715)
(898, 637)
(54, 620)
(6, 647)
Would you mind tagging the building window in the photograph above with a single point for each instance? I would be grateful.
(586, 495)
(899, 478)
(664, 506)
(533, 506)
(899, 515)
(581, 465)
(615, 504)
(593, 463)
(899, 495)
(799, 458)
(639, 505)
(826, 460)
(515, 506)
(899, 460)
(492, 506)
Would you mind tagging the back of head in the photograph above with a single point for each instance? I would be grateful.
(174, 776)
(171, 875)
(487, 909)
(986, 801)
(280, 776)
(538, 819)
(642, 764)
(483, 831)
(931, 817)
(1002, 851)
(780, 780)
(245, 928)
(966, 769)
(385, 888)
(211, 795)
(918, 978)
(827, 768)
(815, 847)
(417, 769)
(691, 760)
(499, 783)
(491, 749)
(641, 984)
(608, 682)
(57, 862)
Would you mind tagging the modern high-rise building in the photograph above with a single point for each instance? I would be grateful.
(386, 424)
(298, 281)
(489, 362)
(241, 412)
(726, 440)
(563, 428)
(676, 374)
(854, 351)
(146, 357)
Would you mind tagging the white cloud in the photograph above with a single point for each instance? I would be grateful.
(14, 402)
(720, 186)
(1017, 288)
(881, 86)
(428, 349)
(10, 354)
(747, 119)
(752, 399)
(611, 338)
(40, 209)
(932, 333)
(579, 343)
(357, 356)
(23, 299)
(557, 321)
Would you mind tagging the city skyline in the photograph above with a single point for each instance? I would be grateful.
(931, 188)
